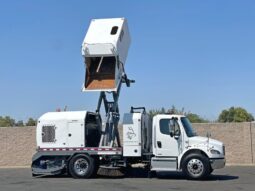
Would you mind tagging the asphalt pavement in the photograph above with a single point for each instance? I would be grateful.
(227, 179)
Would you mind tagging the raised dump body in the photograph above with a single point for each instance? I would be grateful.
(105, 49)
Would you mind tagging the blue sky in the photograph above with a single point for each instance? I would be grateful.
(199, 55)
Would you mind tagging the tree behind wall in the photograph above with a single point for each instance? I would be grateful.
(19, 124)
(235, 114)
(31, 122)
(194, 118)
(7, 121)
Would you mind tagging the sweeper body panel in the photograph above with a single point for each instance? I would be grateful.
(67, 129)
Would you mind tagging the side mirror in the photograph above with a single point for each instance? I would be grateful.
(171, 128)
(171, 133)
(174, 129)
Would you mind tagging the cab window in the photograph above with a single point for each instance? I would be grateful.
(169, 125)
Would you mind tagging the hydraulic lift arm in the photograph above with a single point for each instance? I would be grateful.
(110, 128)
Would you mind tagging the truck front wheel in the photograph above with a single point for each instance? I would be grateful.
(196, 166)
(81, 166)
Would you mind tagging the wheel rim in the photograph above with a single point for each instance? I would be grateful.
(81, 166)
(195, 167)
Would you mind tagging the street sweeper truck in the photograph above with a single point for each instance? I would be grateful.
(81, 142)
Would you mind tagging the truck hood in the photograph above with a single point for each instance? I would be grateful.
(203, 141)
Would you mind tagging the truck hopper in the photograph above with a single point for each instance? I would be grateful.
(105, 49)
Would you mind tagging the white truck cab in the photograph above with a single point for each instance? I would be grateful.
(177, 147)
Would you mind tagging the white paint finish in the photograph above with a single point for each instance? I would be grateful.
(61, 120)
(64, 115)
(177, 146)
(76, 134)
(132, 151)
(163, 164)
(132, 138)
(169, 145)
(100, 41)
(94, 50)
(184, 144)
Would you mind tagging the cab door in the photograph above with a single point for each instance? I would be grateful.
(167, 144)
(168, 138)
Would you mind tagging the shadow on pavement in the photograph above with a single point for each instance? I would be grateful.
(215, 177)
(212, 177)
(142, 173)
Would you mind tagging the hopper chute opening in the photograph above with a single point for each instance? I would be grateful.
(100, 73)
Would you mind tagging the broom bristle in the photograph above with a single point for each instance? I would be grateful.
(111, 172)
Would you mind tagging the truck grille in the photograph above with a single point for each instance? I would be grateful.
(48, 134)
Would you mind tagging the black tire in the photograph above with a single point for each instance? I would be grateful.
(81, 166)
(96, 167)
(34, 175)
(211, 170)
(152, 174)
(196, 166)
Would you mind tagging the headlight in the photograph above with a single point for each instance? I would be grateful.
(215, 152)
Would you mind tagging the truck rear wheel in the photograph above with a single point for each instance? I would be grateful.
(196, 166)
(81, 166)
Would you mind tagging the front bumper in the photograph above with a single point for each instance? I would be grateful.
(217, 163)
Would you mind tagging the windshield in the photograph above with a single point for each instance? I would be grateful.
(188, 127)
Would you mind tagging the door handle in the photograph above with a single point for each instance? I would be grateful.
(159, 144)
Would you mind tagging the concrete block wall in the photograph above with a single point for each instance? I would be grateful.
(253, 142)
(18, 144)
(237, 138)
